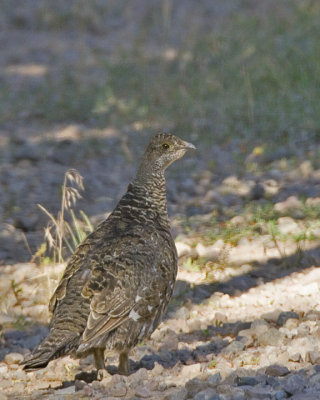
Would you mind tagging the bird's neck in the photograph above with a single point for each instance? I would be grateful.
(150, 189)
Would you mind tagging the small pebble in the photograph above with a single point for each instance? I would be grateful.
(143, 392)
(176, 394)
(295, 384)
(118, 390)
(207, 394)
(233, 348)
(313, 357)
(280, 395)
(258, 392)
(277, 370)
(214, 379)
(79, 385)
(195, 386)
(13, 358)
(247, 381)
(271, 337)
(296, 357)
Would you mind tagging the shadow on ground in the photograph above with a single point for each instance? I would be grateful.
(262, 272)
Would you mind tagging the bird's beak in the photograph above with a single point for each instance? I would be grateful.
(188, 146)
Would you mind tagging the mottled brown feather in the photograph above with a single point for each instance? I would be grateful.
(119, 281)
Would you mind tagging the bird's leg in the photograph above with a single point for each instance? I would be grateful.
(99, 361)
(123, 368)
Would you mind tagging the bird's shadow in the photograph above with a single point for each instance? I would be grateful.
(169, 358)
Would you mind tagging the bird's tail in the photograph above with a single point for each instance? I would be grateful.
(57, 344)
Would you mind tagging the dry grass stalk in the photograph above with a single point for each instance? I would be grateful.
(58, 231)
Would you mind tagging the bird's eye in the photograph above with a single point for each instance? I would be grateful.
(165, 146)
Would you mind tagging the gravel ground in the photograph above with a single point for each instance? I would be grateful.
(261, 342)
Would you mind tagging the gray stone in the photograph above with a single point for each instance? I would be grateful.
(306, 396)
(139, 376)
(143, 392)
(314, 380)
(295, 384)
(79, 385)
(258, 392)
(170, 341)
(214, 379)
(280, 395)
(176, 394)
(285, 315)
(277, 370)
(274, 382)
(207, 394)
(162, 386)
(65, 391)
(118, 390)
(271, 337)
(195, 386)
(238, 396)
(247, 381)
(233, 348)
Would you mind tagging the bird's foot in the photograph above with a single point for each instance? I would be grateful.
(123, 368)
(101, 374)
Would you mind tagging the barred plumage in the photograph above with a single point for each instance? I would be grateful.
(119, 281)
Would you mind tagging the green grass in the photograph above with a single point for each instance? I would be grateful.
(259, 220)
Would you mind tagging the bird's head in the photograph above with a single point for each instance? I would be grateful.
(163, 150)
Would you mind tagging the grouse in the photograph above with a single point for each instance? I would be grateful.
(118, 283)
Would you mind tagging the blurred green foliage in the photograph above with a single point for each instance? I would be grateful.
(253, 74)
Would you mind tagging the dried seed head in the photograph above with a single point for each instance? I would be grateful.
(48, 236)
(74, 177)
(72, 195)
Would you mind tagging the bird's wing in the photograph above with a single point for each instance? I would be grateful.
(80, 260)
(75, 263)
(117, 299)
